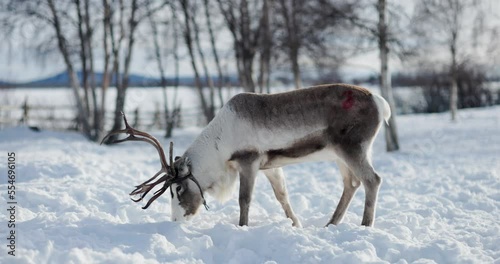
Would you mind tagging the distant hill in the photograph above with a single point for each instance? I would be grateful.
(135, 80)
(5, 84)
(62, 80)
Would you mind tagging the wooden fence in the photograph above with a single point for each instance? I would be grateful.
(63, 117)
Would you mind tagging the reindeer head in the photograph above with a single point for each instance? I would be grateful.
(186, 193)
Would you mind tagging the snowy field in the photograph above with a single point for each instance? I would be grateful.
(439, 203)
(146, 100)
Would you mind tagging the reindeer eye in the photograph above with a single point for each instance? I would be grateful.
(178, 191)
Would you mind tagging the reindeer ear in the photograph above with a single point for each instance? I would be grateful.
(187, 161)
(183, 165)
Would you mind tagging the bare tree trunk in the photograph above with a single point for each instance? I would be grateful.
(220, 77)
(107, 55)
(130, 48)
(189, 43)
(246, 40)
(391, 136)
(175, 116)
(294, 56)
(169, 118)
(96, 111)
(208, 78)
(266, 44)
(296, 30)
(83, 56)
(453, 97)
(86, 56)
(453, 77)
(122, 88)
(292, 30)
(239, 64)
(115, 47)
(247, 63)
(175, 25)
(62, 44)
(176, 113)
(451, 19)
(122, 85)
(248, 51)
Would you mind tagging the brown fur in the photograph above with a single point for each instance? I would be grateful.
(348, 118)
(299, 149)
(343, 128)
(189, 199)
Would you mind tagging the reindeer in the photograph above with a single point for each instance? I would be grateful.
(253, 132)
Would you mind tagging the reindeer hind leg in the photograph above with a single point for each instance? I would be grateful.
(360, 165)
(351, 185)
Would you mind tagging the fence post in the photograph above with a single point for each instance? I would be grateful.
(157, 120)
(136, 118)
(26, 109)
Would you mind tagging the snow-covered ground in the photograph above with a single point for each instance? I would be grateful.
(439, 203)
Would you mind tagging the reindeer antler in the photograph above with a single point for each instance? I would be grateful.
(166, 169)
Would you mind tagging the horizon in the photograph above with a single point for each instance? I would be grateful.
(19, 71)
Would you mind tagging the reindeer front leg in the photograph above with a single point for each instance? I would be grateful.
(277, 180)
(248, 174)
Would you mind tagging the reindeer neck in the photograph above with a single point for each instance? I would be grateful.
(207, 151)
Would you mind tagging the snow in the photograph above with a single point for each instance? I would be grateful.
(439, 203)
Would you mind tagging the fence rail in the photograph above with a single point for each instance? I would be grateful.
(63, 117)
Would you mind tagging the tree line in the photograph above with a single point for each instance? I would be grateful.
(265, 36)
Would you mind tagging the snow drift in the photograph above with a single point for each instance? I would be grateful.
(439, 203)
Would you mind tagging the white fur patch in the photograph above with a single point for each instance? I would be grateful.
(222, 190)
(383, 108)
(176, 209)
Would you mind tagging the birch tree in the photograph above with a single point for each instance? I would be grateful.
(243, 21)
(188, 40)
(215, 53)
(376, 30)
(171, 114)
(266, 44)
(448, 23)
(129, 19)
(391, 136)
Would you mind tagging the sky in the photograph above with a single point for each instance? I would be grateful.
(19, 67)
(19, 64)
